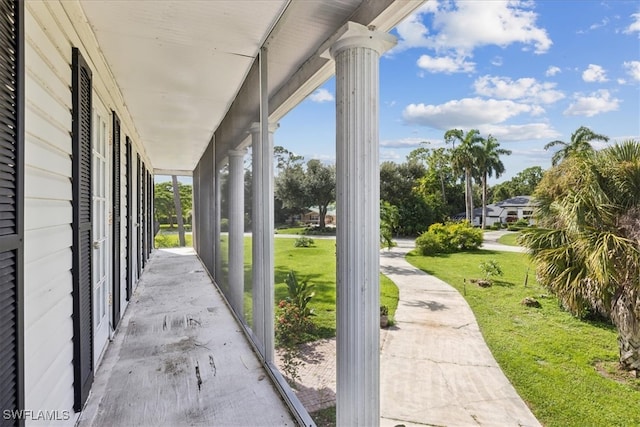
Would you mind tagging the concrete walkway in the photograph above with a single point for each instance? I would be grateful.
(180, 358)
(435, 367)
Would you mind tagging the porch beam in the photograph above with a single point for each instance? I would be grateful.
(356, 53)
(236, 229)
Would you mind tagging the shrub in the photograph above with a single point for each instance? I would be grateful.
(490, 269)
(428, 244)
(224, 224)
(303, 242)
(449, 237)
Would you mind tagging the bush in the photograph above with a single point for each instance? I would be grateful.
(303, 242)
(428, 244)
(449, 237)
(224, 224)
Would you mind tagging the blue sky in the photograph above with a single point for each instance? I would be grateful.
(526, 72)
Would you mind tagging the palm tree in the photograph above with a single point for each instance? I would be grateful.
(463, 159)
(487, 164)
(580, 144)
(587, 248)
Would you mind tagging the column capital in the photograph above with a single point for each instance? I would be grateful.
(353, 34)
(255, 127)
(237, 153)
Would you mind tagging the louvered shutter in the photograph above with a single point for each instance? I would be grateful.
(129, 220)
(11, 207)
(150, 223)
(117, 205)
(82, 232)
(139, 217)
(143, 213)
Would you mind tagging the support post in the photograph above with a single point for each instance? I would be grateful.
(356, 55)
(263, 247)
(236, 229)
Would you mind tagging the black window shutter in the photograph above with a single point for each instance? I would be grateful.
(82, 232)
(139, 217)
(117, 205)
(129, 219)
(143, 213)
(11, 208)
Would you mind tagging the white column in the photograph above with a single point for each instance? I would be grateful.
(236, 229)
(357, 54)
(262, 242)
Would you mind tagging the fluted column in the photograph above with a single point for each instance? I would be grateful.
(236, 229)
(357, 55)
(262, 242)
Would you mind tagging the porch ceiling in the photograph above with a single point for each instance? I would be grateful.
(181, 64)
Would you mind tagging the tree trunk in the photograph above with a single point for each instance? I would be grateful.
(484, 201)
(178, 205)
(468, 196)
(322, 211)
(625, 314)
(442, 187)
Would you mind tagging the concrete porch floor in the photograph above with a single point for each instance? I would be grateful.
(180, 358)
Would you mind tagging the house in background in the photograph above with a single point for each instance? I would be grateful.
(312, 217)
(504, 212)
(98, 97)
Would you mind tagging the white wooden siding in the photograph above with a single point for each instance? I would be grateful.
(52, 28)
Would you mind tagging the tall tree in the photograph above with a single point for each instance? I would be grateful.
(488, 163)
(178, 208)
(463, 158)
(580, 144)
(523, 183)
(320, 187)
(587, 244)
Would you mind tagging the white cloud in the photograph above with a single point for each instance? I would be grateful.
(465, 113)
(552, 71)
(603, 23)
(633, 69)
(464, 25)
(594, 73)
(445, 64)
(524, 132)
(321, 95)
(635, 25)
(409, 142)
(524, 89)
(497, 61)
(592, 104)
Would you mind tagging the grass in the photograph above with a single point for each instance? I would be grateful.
(290, 230)
(549, 356)
(325, 417)
(316, 265)
(170, 240)
(509, 239)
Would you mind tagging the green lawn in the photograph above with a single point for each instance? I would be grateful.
(548, 355)
(170, 240)
(317, 265)
(509, 239)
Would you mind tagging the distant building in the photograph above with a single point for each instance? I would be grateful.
(504, 212)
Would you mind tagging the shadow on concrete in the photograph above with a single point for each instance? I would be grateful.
(431, 305)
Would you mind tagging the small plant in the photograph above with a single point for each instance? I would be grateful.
(490, 269)
(303, 242)
(384, 316)
(293, 323)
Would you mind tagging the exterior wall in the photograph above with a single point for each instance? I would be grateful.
(51, 30)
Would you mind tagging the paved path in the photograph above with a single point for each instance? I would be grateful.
(435, 366)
